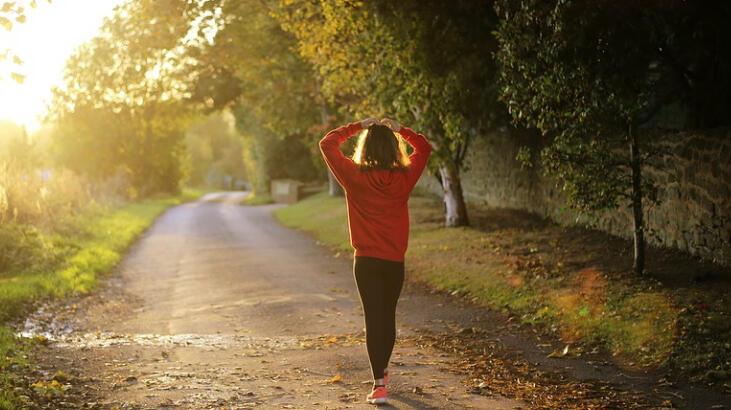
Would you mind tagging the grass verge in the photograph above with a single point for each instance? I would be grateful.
(551, 277)
(84, 248)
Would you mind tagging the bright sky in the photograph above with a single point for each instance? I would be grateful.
(44, 42)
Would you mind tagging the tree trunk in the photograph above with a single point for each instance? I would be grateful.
(334, 188)
(455, 211)
(637, 214)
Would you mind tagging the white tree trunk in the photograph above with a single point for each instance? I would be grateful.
(455, 211)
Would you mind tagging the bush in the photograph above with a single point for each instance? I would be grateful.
(23, 247)
(38, 208)
(38, 197)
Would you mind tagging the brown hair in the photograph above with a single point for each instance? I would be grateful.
(380, 148)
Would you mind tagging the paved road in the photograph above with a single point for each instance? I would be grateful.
(218, 306)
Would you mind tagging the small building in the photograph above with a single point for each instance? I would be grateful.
(285, 190)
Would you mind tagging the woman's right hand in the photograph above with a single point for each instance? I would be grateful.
(392, 124)
(366, 123)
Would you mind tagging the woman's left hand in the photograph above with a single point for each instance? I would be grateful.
(392, 124)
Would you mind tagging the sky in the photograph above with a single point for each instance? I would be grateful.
(49, 36)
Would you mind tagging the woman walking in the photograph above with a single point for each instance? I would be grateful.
(378, 180)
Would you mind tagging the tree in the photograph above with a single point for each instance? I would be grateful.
(195, 56)
(120, 108)
(592, 77)
(214, 149)
(17, 149)
(251, 67)
(427, 63)
(11, 13)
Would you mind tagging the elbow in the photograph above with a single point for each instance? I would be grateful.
(323, 142)
(326, 145)
(327, 139)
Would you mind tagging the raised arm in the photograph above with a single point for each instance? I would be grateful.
(420, 156)
(422, 149)
(340, 165)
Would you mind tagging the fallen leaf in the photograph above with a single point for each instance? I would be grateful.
(562, 353)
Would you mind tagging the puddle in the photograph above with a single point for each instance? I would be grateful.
(43, 322)
(216, 341)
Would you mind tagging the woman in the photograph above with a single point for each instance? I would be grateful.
(377, 181)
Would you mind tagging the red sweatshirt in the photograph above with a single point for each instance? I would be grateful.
(378, 213)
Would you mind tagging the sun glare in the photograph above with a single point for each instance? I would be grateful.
(49, 36)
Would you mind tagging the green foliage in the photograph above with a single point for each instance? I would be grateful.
(583, 74)
(257, 145)
(120, 110)
(291, 158)
(12, 13)
(572, 72)
(277, 88)
(584, 92)
(215, 150)
(430, 65)
(17, 149)
(146, 152)
(250, 66)
(268, 156)
(11, 355)
(28, 196)
(22, 247)
(68, 258)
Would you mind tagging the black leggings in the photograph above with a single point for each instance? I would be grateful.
(379, 285)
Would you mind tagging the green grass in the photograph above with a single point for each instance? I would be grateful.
(85, 248)
(321, 215)
(9, 357)
(636, 320)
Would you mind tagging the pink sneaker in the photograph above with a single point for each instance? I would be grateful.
(379, 395)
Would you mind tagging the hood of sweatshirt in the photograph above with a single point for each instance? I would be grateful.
(390, 183)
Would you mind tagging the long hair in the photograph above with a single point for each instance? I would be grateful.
(379, 148)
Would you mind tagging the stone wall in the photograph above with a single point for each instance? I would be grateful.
(694, 178)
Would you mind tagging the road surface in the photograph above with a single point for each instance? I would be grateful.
(218, 306)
